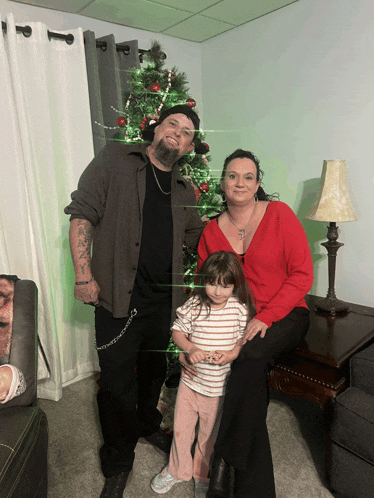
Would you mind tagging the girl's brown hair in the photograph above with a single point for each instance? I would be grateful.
(223, 267)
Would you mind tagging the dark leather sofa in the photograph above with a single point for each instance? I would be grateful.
(351, 432)
(23, 425)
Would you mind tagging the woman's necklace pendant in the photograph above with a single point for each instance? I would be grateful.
(242, 231)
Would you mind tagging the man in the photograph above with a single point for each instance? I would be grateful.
(138, 211)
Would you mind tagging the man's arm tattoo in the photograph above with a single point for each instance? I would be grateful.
(83, 245)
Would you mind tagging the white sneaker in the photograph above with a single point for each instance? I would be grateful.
(201, 488)
(163, 482)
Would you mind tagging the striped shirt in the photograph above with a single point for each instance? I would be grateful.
(218, 331)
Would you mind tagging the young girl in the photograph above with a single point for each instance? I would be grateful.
(209, 327)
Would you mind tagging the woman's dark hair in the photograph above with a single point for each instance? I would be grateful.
(246, 154)
(223, 267)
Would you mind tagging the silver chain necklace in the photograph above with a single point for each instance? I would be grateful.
(242, 231)
(159, 186)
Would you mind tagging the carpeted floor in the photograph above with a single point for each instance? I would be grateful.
(296, 432)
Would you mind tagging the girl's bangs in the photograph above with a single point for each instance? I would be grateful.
(227, 278)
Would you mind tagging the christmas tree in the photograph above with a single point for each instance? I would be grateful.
(155, 89)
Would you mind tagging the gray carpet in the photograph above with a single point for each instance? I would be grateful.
(296, 432)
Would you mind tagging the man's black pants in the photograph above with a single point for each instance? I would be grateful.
(243, 439)
(132, 373)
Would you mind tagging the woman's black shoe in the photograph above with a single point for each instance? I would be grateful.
(219, 484)
(115, 486)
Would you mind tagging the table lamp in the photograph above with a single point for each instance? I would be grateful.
(332, 203)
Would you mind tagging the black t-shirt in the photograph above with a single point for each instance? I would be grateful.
(154, 274)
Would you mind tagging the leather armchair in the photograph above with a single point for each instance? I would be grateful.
(23, 425)
(351, 431)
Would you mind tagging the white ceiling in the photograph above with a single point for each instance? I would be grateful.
(194, 20)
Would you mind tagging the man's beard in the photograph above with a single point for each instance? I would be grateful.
(167, 156)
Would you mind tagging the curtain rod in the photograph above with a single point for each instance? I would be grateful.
(27, 31)
(122, 47)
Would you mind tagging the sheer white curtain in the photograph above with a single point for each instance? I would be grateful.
(46, 142)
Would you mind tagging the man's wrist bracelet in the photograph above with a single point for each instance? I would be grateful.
(85, 283)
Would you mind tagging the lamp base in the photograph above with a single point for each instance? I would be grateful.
(332, 305)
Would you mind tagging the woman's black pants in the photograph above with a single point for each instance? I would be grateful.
(132, 373)
(243, 440)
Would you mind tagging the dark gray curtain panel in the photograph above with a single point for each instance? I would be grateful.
(108, 79)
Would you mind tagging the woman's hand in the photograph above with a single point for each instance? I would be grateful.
(189, 369)
(253, 328)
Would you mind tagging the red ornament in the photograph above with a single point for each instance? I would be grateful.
(204, 188)
(155, 87)
(191, 102)
(122, 121)
(206, 146)
(197, 193)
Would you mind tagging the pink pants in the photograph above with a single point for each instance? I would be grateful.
(191, 407)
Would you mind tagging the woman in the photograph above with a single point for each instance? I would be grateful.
(277, 264)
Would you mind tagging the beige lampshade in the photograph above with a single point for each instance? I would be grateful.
(333, 202)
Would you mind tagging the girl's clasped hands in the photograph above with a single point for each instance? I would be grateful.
(196, 355)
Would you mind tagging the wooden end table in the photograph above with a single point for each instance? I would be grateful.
(319, 369)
